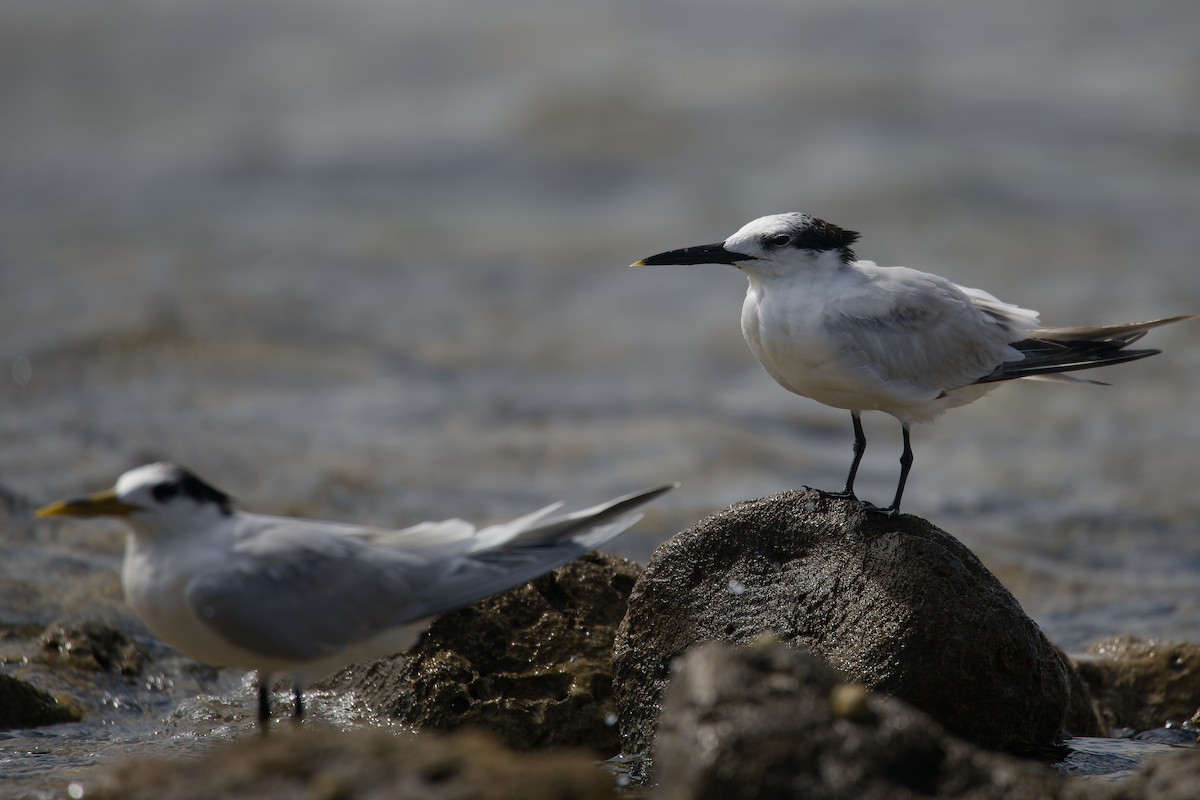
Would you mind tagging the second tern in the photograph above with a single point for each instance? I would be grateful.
(284, 595)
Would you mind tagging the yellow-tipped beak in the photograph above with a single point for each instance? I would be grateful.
(104, 504)
(639, 264)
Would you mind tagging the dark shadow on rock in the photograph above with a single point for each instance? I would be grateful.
(895, 604)
(1083, 712)
(1139, 684)
(364, 764)
(532, 665)
(26, 706)
(770, 720)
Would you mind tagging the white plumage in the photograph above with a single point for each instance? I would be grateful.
(854, 335)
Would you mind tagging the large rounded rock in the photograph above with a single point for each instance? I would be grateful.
(775, 721)
(532, 665)
(895, 604)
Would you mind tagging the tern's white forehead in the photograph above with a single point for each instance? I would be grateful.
(148, 475)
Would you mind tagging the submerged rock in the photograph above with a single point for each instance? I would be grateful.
(895, 604)
(775, 721)
(532, 665)
(363, 764)
(1140, 684)
(26, 706)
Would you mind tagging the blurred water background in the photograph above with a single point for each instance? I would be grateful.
(366, 260)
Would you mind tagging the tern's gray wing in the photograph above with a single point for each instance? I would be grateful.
(508, 555)
(298, 590)
(921, 334)
(295, 591)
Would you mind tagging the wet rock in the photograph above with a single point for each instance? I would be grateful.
(1182, 736)
(1142, 684)
(895, 604)
(364, 764)
(770, 720)
(532, 665)
(25, 706)
(92, 646)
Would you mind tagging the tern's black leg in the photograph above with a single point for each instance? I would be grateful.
(906, 460)
(298, 710)
(860, 447)
(264, 704)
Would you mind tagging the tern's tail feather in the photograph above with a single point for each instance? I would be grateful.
(1050, 351)
(499, 562)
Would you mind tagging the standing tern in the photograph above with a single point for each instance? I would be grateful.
(855, 335)
(304, 597)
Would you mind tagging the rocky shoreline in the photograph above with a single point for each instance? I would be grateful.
(787, 646)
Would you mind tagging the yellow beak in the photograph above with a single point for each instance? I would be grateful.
(104, 504)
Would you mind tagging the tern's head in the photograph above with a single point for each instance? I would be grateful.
(780, 244)
(154, 498)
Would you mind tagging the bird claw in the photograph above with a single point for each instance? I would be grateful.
(891, 512)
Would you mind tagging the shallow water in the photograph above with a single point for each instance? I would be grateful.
(368, 262)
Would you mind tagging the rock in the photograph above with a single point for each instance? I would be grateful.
(92, 646)
(532, 665)
(1142, 684)
(1173, 777)
(894, 604)
(1083, 714)
(364, 764)
(770, 720)
(26, 706)
(1184, 736)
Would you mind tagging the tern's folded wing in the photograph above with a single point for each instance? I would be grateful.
(302, 597)
(921, 334)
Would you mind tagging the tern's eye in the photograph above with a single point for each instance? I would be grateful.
(779, 240)
(165, 491)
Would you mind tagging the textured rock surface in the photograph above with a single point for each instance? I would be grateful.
(364, 764)
(895, 604)
(90, 645)
(775, 721)
(533, 665)
(1142, 684)
(25, 706)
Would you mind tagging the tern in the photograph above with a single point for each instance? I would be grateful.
(854, 335)
(284, 595)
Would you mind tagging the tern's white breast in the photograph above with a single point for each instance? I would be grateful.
(783, 323)
(156, 576)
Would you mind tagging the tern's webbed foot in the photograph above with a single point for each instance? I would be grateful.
(844, 494)
(889, 513)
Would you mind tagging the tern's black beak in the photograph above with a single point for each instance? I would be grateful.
(704, 254)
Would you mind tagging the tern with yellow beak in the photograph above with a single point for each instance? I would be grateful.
(283, 595)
